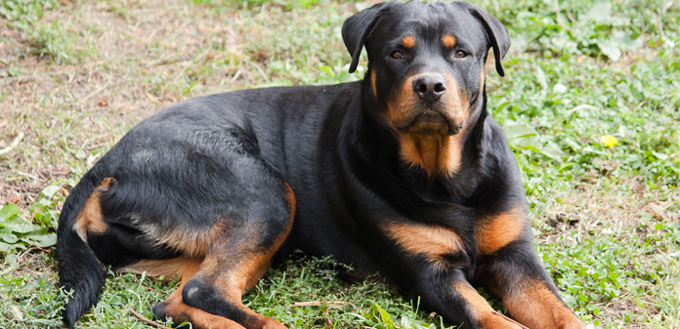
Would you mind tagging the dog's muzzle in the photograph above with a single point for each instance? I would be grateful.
(432, 122)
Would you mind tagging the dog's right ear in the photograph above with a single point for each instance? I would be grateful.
(357, 28)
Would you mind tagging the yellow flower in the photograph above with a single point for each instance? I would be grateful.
(608, 140)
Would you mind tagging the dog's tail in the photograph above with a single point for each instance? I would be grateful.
(80, 271)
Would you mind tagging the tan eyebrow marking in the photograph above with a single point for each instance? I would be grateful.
(448, 40)
(408, 41)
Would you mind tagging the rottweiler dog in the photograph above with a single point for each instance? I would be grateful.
(404, 173)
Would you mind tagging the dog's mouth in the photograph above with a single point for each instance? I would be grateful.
(431, 122)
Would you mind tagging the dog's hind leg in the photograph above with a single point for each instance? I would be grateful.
(236, 258)
(174, 307)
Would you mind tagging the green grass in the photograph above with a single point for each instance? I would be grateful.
(75, 77)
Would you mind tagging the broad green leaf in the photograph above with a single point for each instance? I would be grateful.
(19, 225)
(625, 41)
(540, 77)
(559, 88)
(8, 211)
(9, 238)
(10, 259)
(50, 191)
(4, 247)
(518, 130)
(600, 12)
(42, 240)
(551, 150)
(617, 41)
(610, 49)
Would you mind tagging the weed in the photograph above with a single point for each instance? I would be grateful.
(19, 232)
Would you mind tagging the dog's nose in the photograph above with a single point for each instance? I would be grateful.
(430, 87)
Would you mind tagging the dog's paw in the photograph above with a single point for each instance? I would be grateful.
(495, 320)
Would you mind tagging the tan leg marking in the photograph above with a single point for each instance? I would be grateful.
(374, 81)
(231, 282)
(91, 218)
(198, 318)
(193, 242)
(185, 268)
(497, 232)
(482, 311)
(536, 306)
(292, 202)
(244, 275)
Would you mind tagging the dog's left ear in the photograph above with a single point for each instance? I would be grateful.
(357, 28)
(498, 35)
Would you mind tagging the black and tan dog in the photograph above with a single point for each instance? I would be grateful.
(404, 173)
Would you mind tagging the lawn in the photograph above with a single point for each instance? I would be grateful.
(590, 104)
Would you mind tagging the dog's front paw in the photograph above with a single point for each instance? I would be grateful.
(495, 320)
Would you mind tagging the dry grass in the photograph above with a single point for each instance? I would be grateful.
(133, 60)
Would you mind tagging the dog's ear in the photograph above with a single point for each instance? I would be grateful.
(498, 35)
(357, 28)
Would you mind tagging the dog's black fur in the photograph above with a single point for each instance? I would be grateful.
(404, 173)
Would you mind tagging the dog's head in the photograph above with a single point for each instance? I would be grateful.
(426, 61)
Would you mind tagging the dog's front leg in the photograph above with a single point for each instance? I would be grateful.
(433, 262)
(515, 274)
(449, 294)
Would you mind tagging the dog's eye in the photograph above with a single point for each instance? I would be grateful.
(397, 54)
(460, 54)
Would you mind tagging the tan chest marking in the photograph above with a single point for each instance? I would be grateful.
(422, 239)
(436, 154)
(500, 230)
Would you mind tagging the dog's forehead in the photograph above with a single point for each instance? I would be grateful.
(432, 19)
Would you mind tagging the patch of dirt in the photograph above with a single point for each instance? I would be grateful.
(134, 57)
(130, 61)
(590, 204)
